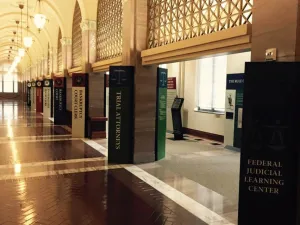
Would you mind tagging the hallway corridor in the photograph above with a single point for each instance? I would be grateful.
(48, 177)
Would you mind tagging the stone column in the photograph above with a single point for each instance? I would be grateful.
(89, 28)
(134, 41)
(54, 60)
(276, 25)
(46, 66)
(66, 52)
(51, 61)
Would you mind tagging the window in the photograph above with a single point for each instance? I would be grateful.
(8, 82)
(211, 84)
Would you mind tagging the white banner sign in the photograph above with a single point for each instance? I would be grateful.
(78, 112)
(33, 98)
(47, 102)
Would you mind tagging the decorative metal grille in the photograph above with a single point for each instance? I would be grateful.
(176, 20)
(109, 29)
(77, 37)
(48, 60)
(59, 52)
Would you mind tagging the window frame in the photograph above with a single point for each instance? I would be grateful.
(197, 91)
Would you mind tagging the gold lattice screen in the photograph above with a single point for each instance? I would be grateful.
(176, 20)
(76, 37)
(109, 29)
(59, 52)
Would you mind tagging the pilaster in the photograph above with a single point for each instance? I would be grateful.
(66, 52)
(89, 28)
(134, 41)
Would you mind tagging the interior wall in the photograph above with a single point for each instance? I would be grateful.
(206, 122)
(96, 94)
(201, 121)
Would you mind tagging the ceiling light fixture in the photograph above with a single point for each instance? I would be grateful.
(21, 50)
(39, 18)
(27, 40)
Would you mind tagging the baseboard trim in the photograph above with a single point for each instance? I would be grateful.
(202, 134)
(232, 148)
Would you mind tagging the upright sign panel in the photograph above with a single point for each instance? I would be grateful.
(39, 96)
(47, 98)
(80, 105)
(33, 96)
(161, 113)
(107, 101)
(172, 93)
(234, 109)
(28, 93)
(269, 172)
(121, 114)
(60, 100)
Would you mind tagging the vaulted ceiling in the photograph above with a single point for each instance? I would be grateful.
(58, 12)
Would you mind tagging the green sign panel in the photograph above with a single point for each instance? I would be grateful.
(121, 114)
(161, 113)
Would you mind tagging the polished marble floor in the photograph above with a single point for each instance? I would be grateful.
(48, 177)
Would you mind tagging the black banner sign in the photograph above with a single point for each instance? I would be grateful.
(121, 114)
(60, 100)
(28, 93)
(270, 154)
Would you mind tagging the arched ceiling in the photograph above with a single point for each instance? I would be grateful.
(58, 12)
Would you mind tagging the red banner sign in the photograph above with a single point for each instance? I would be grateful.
(172, 83)
(39, 97)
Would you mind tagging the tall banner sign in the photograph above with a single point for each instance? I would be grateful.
(80, 105)
(33, 96)
(121, 114)
(47, 98)
(60, 100)
(28, 94)
(161, 113)
(234, 109)
(269, 168)
(107, 101)
(172, 93)
(39, 96)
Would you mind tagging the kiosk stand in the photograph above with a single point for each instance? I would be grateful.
(176, 117)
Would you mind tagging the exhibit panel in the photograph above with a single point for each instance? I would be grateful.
(121, 114)
(80, 104)
(234, 110)
(269, 181)
(28, 94)
(39, 96)
(161, 113)
(107, 101)
(59, 100)
(171, 95)
(33, 96)
(47, 98)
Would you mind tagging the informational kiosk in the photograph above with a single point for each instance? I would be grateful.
(60, 99)
(177, 120)
(33, 96)
(39, 96)
(28, 94)
(47, 98)
(80, 105)
(269, 172)
(161, 113)
(121, 114)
